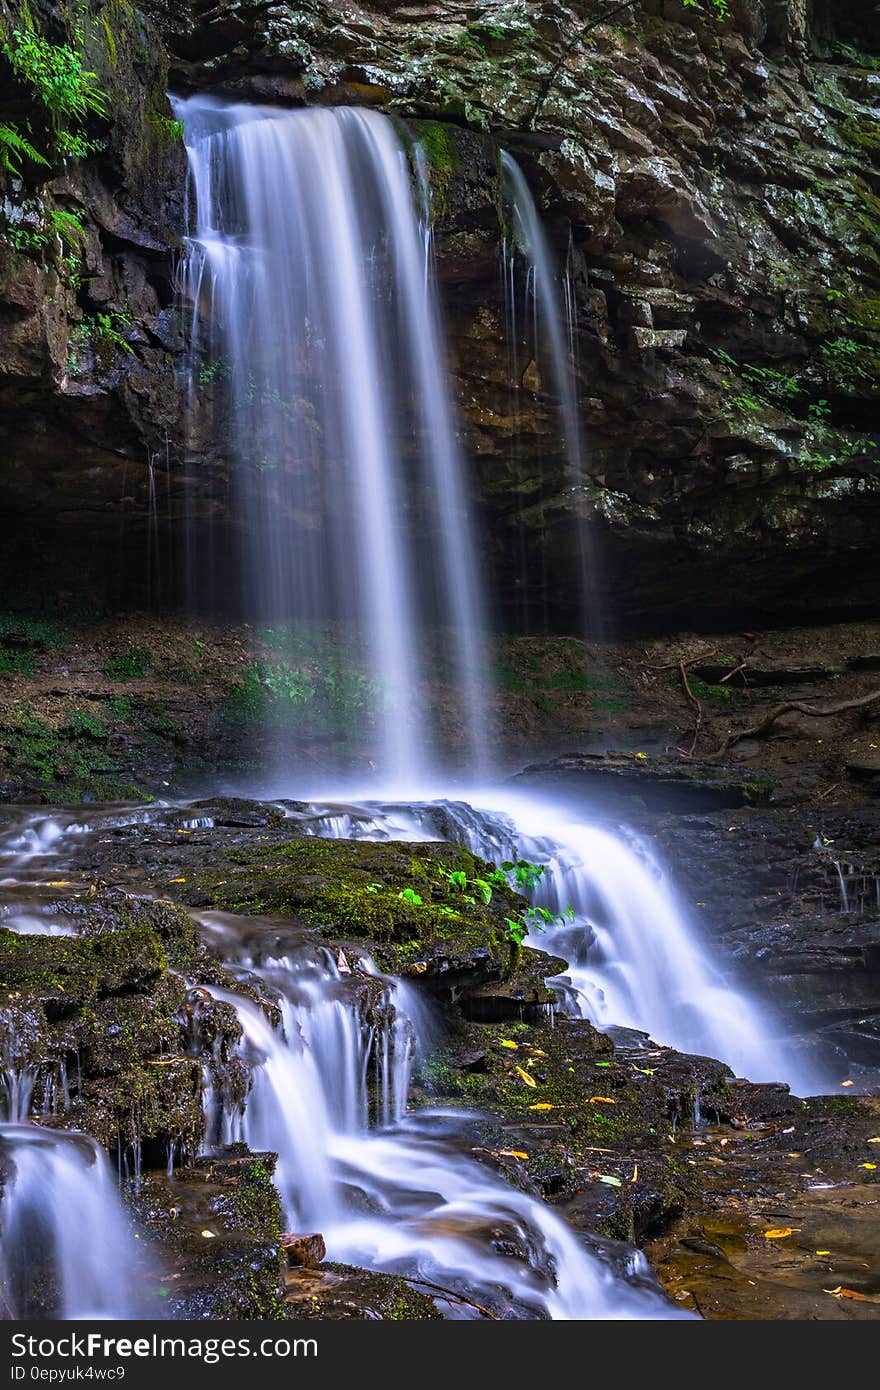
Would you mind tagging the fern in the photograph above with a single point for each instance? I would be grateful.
(68, 227)
(56, 74)
(14, 147)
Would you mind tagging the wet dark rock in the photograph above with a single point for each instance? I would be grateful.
(216, 1228)
(303, 1252)
(617, 781)
(104, 1027)
(791, 897)
(343, 1293)
(236, 812)
(782, 1215)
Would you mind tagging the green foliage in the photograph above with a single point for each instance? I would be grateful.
(16, 663)
(819, 412)
(68, 227)
(84, 725)
(56, 75)
(847, 363)
(170, 132)
(132, 663)
(524, 875)
(327, 700)
(60, 225)
(854, 55)
(122, 709)
(771, 389)
(209, 372)
(14, 147)
(26, 240)
(711, 694)
(20, 637)
(826, 449)
(102, 333)
(719, 8)
(409, 895)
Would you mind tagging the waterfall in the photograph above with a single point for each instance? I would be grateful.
(635, 959)
(306, 273)
(402, 1197)
(550, 297)
(67, 1250)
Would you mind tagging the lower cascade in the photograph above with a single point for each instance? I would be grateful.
(402, 1197)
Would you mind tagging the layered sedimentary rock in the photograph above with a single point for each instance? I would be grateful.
(713, 184)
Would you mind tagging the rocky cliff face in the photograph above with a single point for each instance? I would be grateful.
(713, 183)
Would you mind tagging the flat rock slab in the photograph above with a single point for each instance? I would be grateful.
(621, 780)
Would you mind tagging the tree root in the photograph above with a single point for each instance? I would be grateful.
(698, 708)
(791, 707)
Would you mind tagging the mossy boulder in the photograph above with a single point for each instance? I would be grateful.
(65, 973)
(108, 1031)
(398, 899)
(115, 911)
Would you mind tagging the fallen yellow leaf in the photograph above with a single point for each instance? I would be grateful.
(779, 1232)
(875, 1141)
(529, 1080)
(870, 1166)
(602, 1100)
(823, 1252)
(505, 1042)
(177, 880)
(840, 1292)
(846, 1083)
(511, 1153)
(541, 1105)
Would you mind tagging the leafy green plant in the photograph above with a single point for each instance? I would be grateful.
(408, 895)
(14, 147)
(68, 227)
(102, 333)
(169, 131)
(719, 8)
(56, 75)
(26, 240)
(329, 700)
(85, 725)
(847, 362)
(524, 875)
(819, 412)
